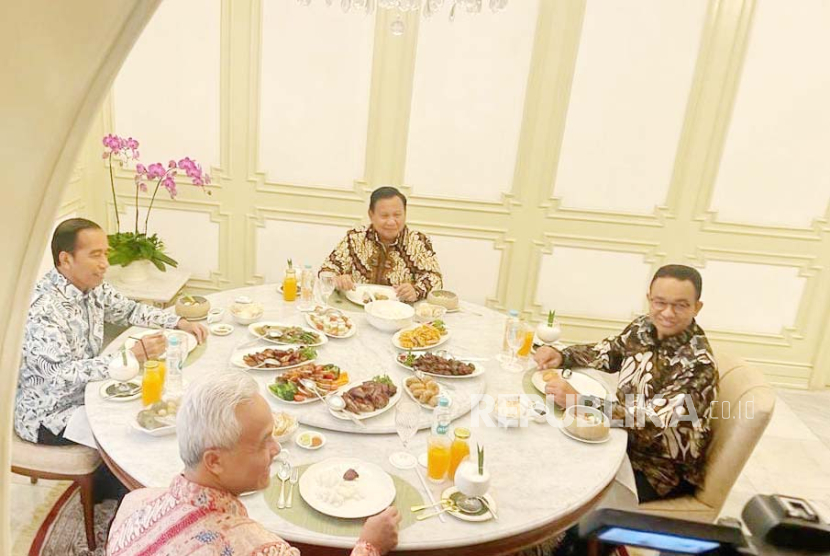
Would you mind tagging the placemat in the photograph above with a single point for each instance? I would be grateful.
(303, 515)
(340, 301)
(527, 386)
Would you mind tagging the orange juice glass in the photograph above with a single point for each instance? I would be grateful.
(151, 384)
(438, 459)
(524, 351)
(459, 449)
(289, 286)
(162, 371)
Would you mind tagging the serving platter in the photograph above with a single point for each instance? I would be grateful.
(357, 295)
(479, 370)
(238, 360)
(361, 416)
(396, 339)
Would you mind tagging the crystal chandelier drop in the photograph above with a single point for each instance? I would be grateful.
(427, 8)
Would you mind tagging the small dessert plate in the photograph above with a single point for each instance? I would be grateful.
(484, 514)
(109, 391)
(221, 329)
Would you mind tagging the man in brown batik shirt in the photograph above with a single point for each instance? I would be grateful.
(667, 384)
(386, 252)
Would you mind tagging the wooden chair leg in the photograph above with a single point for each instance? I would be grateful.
(33, 480)
(88, 502)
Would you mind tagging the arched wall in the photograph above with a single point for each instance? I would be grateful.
(59, 60)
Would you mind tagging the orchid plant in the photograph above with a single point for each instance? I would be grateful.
(127, 247)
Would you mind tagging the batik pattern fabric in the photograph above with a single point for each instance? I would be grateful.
(665, 397)
(410, 259)
(62, 345)
(196, 520)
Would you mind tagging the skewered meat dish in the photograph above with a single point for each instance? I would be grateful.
(286, 357)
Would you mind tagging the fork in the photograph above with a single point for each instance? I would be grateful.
(295, 476)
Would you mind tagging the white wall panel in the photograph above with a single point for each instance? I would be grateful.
(189, 237)
(593, 283)
(314, 94)
(747, 297)
(304, 242)
(775, 168)
(470, 267)
(469, 89)
(167, 93)
(631, 83)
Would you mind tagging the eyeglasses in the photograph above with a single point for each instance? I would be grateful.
(679, 307)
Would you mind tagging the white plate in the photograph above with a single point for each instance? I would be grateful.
(442, 391)
(221, 329)
(110, 383)
(467, 517)
(343, 389)
(237, 359)
(160, 431)
(348, 334)
(311, 399)
(356, 295)
(192, 342)
(396, 340)
(565, 431)
(479, 370)
(376, 490)
(252, 329)
(581, 382)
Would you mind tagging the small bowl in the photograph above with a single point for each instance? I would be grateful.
(444, 298)
(244, 311)
(289, 431)
(426, 312)
(511, 411)
(595, 430)
(306, 439)
(198, 309)
(378, 314)
(221, 329)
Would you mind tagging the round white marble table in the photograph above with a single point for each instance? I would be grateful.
(542, 481)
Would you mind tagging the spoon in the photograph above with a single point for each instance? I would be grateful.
(311, 386)
(447, 355)
(338, 404)
(447, 507)
(273, 334)
(270, 361)
(283, 474)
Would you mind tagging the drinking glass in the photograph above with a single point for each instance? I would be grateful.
(407, 419)
(515, 337)
(326, 286)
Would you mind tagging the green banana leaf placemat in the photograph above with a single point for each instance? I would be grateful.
(194, 355)
(527, 386)
(340, 301)
(303, 515)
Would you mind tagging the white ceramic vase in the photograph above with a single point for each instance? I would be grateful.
(469, 482)
(548, 334)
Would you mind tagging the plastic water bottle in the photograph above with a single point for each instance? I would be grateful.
(174, 361)
(439, 443)
(506, 354)
(307, 288)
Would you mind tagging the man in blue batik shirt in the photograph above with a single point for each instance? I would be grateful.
(65, 332)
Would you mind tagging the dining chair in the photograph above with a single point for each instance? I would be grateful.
(743, 409)
(75, 463)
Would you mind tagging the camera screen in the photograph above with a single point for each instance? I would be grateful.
(657, 541)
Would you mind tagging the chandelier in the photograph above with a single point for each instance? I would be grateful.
(427, 8)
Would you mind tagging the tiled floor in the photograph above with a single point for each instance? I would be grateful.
(793, 457)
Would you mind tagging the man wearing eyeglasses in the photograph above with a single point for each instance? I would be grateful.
(667, 384)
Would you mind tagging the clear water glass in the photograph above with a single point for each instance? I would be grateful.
(326, 282)
(407, 419)
(515, 338)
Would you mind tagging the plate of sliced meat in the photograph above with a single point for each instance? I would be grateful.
(367, 398)
(436, 365)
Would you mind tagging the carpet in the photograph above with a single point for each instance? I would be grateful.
(62, 532)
